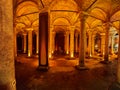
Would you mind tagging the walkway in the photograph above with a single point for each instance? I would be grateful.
(62, 74)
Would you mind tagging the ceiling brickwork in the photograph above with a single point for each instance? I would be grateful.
(66, 12)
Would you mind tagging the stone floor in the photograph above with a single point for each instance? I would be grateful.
(62, 74)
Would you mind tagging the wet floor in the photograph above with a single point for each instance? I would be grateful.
(62, 74)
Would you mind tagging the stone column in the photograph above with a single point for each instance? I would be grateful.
(30, 42)
(67, 43)
(106, 56)
(7, 67)
(53, 42)
(50, 42)
(76, 42)
(37, 43)
(103, 44)
(72, 28)
(82, 48)
(93, 45)
(112, 44)
(90, 44)
(24, 43)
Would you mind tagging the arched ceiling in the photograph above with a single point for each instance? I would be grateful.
(27, 12)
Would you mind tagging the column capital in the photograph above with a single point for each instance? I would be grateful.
(24, 34)
(102, 34)
(29, 29)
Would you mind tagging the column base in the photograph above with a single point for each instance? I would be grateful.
(82, 67)
(105, 62)
(43, 68)
(115, 86)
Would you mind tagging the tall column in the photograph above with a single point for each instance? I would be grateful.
(93, 45)
(103, 44)
(112, 44)
(37, 37)
(25, 43)
(89, 44)
(72, 41)
(43, 40)
(50, 42)
(53, 42)
(30, 42)
(82, 48)
(76, 42)
(7, 66)
(67, 43)
(106, 56)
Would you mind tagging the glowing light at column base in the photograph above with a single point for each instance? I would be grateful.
(67, 52)
(24, 50)
(90, 55)
(52, 51)
(72, 55)
(50, 55)
(29, 55)
(37, 51)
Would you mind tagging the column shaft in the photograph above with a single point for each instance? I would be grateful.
(82, 43)
(67, 43)
(53, 42)
(76, 42)
(93, 45)
(89, 44)
(72, 42)
(37, 43)
(112, 44)
(102, 45)
(29, 43)
(25, 42)
(7, 67)
(106, 57)
(50, 43)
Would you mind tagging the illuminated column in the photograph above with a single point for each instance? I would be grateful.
(93, 45)
(106, 56)
(103, 44)
(82, 48)
(112, 44)
(50, 42)
(43, 41)
(24, 37)
(72, 41)
(76, 42)
(53, 42)
(30, 42)
(7, 66)
(89, 44)
(37, 37)
(67, 42)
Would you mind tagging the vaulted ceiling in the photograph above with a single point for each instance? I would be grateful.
(66, 12)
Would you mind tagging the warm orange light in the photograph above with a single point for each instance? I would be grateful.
(72, 55)
(50, 55)
(37, 51)
(52, 51)
(67, 52)
(29, 53)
